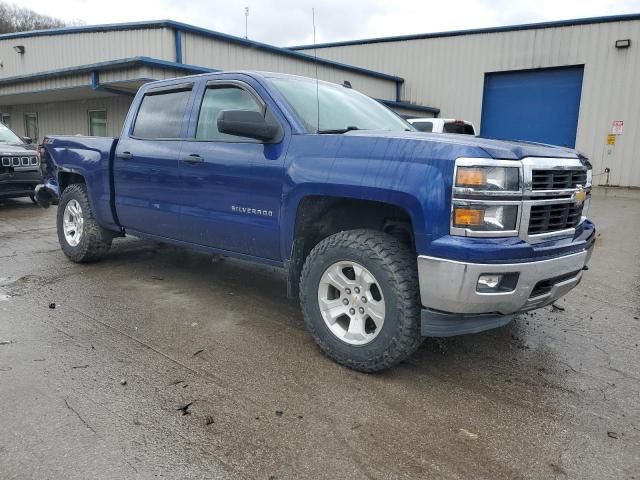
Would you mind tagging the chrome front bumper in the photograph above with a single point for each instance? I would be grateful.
(451, 286)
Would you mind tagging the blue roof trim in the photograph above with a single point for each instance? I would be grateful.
(201, 31)
(409, 106)
(457, 33)
(94, 67)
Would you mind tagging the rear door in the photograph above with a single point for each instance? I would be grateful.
(233, 185)
(146, 165)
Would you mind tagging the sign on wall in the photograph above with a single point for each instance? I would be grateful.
(617, 127)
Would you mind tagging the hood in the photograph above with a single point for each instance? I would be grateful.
(498, 149)
(16, 148)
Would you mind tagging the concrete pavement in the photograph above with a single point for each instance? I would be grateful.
(556, 394)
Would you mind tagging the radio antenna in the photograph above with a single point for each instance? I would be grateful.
(315, 58)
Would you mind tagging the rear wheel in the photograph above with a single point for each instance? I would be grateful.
(81, 238)
(359, 296)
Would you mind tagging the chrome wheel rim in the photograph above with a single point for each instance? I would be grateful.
(351, 303)
(73, 223)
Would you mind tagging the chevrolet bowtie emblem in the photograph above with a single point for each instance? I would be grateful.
(580, 196)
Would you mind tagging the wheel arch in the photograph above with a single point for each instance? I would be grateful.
(314, 217)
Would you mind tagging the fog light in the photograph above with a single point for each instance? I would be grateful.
(497, 282)
(488, 282)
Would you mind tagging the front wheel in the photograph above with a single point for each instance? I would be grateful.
(360, 300)
(80, 236)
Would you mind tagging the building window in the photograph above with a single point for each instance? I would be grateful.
(6, 119)
(31, 126)
(98, 123)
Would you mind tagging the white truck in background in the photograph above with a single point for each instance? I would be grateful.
(443, 125)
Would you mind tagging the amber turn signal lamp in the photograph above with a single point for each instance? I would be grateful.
(468, 216)
(471, 177)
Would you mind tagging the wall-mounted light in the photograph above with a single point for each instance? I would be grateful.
(623, 43)
(19, 49)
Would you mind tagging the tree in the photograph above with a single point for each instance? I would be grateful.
(17, 19)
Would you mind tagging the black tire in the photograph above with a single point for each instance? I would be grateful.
(95, 241)
(395, 268)
(33, 199)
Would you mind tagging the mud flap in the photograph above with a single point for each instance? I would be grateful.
(293, 268)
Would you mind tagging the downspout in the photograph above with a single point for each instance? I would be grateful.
(178, 44)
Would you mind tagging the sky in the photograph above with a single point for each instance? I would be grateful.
(289, 22)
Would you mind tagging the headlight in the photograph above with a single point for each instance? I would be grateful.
(488, 178)
(486, 218)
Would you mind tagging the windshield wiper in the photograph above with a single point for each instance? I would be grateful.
(339, 130)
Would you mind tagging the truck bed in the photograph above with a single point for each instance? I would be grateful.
(91, 158)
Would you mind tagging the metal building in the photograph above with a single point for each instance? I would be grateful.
(81, 80)
(569, 83)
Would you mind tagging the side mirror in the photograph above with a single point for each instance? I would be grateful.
(27, 140)
(247, 123)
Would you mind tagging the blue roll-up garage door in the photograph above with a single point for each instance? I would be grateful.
(535, 105)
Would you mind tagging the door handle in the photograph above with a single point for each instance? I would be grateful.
(192, 158)
(125, 155)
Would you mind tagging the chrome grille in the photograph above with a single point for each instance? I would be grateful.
(26, 161)
(551, 207)
(554, 217)
(557, 179)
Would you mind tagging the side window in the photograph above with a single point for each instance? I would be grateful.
(161, 115)
(458, 127)
(424, 126)
(215, 100)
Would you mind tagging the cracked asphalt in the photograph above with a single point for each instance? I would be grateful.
(98, 386)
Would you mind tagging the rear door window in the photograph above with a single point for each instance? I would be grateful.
(161, 115)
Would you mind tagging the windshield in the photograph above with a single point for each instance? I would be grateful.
(341, 109)
(7, 136)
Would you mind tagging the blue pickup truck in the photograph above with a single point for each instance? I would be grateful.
(386, 234)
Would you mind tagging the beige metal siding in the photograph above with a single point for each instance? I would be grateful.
(449, 72)
(63, 51)
(46, 84)
(70, 118)
(221, 55)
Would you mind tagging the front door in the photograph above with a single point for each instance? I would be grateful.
(146, 165)
(232, 185)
